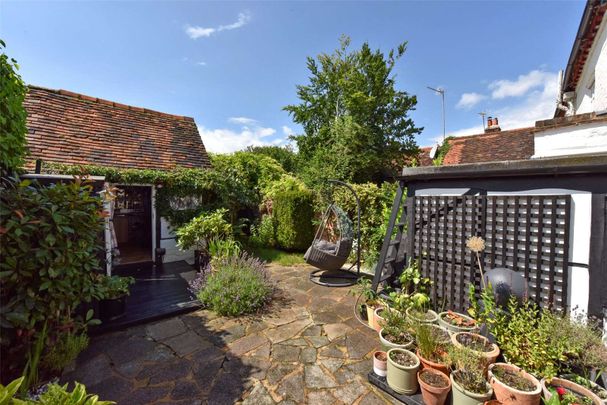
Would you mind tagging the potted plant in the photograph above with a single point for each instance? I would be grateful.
(456, 322)
(423, 316)
(115, 291)
(512, 385)
(394, 332)
(402, 371)
(589, 384)
(477, 343)
(432, 348)
(380, 363)
(435, 386)
(569, 391)
(469, 385)
(378, 317)
(370, 298)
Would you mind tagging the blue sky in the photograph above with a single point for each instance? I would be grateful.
(234, 65)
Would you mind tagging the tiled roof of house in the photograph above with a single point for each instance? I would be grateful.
(71, 128)
(515, 144)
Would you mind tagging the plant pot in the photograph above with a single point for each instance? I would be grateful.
(429, 364)
(431, 394)
(493, 402)
(370, 315)
(455, 328)
(462, 396)
(571, 386)
(595, 387)
(380, 366)
(402, 379)
(434, 318)
(490, 356)
(111, 309)
(377, 319)
(387, 345)
(510, 395)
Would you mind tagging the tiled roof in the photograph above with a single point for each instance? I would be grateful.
(71, 128)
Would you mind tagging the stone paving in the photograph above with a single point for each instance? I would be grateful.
(307, 348)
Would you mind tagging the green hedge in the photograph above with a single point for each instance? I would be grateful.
(293, 212)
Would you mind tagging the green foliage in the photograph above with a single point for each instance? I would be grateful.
(115, 286)
(395, 327)
(238, 285)
(54, 395)
(221, 248)
(12, 114)
(429, 344)
(364, 288)
(470, 368)
(7, 394)
(278, 256)
(355, 121)
(414, 289)
(264, 233)
(284, 155)
(376, 203)
(442, 151)
(64, 351)
(200, 230)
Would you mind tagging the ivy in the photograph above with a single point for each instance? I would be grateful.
(442, 151)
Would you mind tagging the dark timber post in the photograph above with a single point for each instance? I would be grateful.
(597, 299)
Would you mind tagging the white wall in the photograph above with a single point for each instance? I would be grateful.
(173, 253)
(595, 69)
(571, 140)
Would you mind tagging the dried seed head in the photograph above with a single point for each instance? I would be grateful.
(476, 244)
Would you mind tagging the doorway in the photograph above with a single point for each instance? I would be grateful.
(133, 224)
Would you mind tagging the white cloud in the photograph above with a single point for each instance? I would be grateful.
(250, 133)
(201, 63)
(242, 121)
(469, 100)
(519, 87)
(287, 131)
(196, 32)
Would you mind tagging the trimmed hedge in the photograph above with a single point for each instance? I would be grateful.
(292, 211)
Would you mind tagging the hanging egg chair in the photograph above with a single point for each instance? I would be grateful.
(333, 241)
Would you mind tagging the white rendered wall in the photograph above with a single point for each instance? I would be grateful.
(571, 140)
(595, 69)
(167, 241)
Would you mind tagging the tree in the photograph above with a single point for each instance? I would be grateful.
(355, 121)
(12, 115)
(283, 155)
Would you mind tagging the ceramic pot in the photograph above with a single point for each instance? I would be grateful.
(509, 395)
(387, 345)
(402, 379)
(570, 385)
(433, 395)
(111, 309)
(377, 319)
(490, 357)
(461, 396)
(431, 312)
(380, 366)
(429, 364)
(454, 328)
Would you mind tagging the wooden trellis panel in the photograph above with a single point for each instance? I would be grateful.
(529, 234)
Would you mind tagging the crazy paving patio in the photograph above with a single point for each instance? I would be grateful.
(307, 347)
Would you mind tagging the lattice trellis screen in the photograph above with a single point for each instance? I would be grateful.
(529, 234)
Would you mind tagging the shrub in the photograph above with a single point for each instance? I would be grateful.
(293, 211)
(115, 286)
(54, 394)
(264, 233)
(65, 350)
(222, 248)
(200, 230)
(238, 285)
(49, 245)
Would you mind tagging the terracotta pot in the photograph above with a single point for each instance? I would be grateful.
(493, 402)
(433, 395)
(462, 396)
(377, 319)
(455, 328)
(431, 312)
(490, 357)
(443, 368)
(509, 395)
(570, 385)
(402, 379)
(380, 367)
(387, 345)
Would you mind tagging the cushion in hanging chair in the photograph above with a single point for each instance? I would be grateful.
(326, 246)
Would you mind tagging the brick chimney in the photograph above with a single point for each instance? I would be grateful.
(492, 125)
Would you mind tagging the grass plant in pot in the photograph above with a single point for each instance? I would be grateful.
(477, 343)
(402, 371)
(394, 332)
(432, 347)
(116, 291)
(435, 386)
(512, 385)
(380, 363)
(469, 385)
(569, 392)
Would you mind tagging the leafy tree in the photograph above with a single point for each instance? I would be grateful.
(355, 121)
(285, 155)
(12, 114)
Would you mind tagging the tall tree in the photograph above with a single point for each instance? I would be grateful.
(356, 123)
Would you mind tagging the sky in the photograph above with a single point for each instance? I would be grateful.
(233, 66)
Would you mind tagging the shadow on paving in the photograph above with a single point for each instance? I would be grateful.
(182, 360)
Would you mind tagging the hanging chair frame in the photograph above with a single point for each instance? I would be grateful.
(347, 277)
